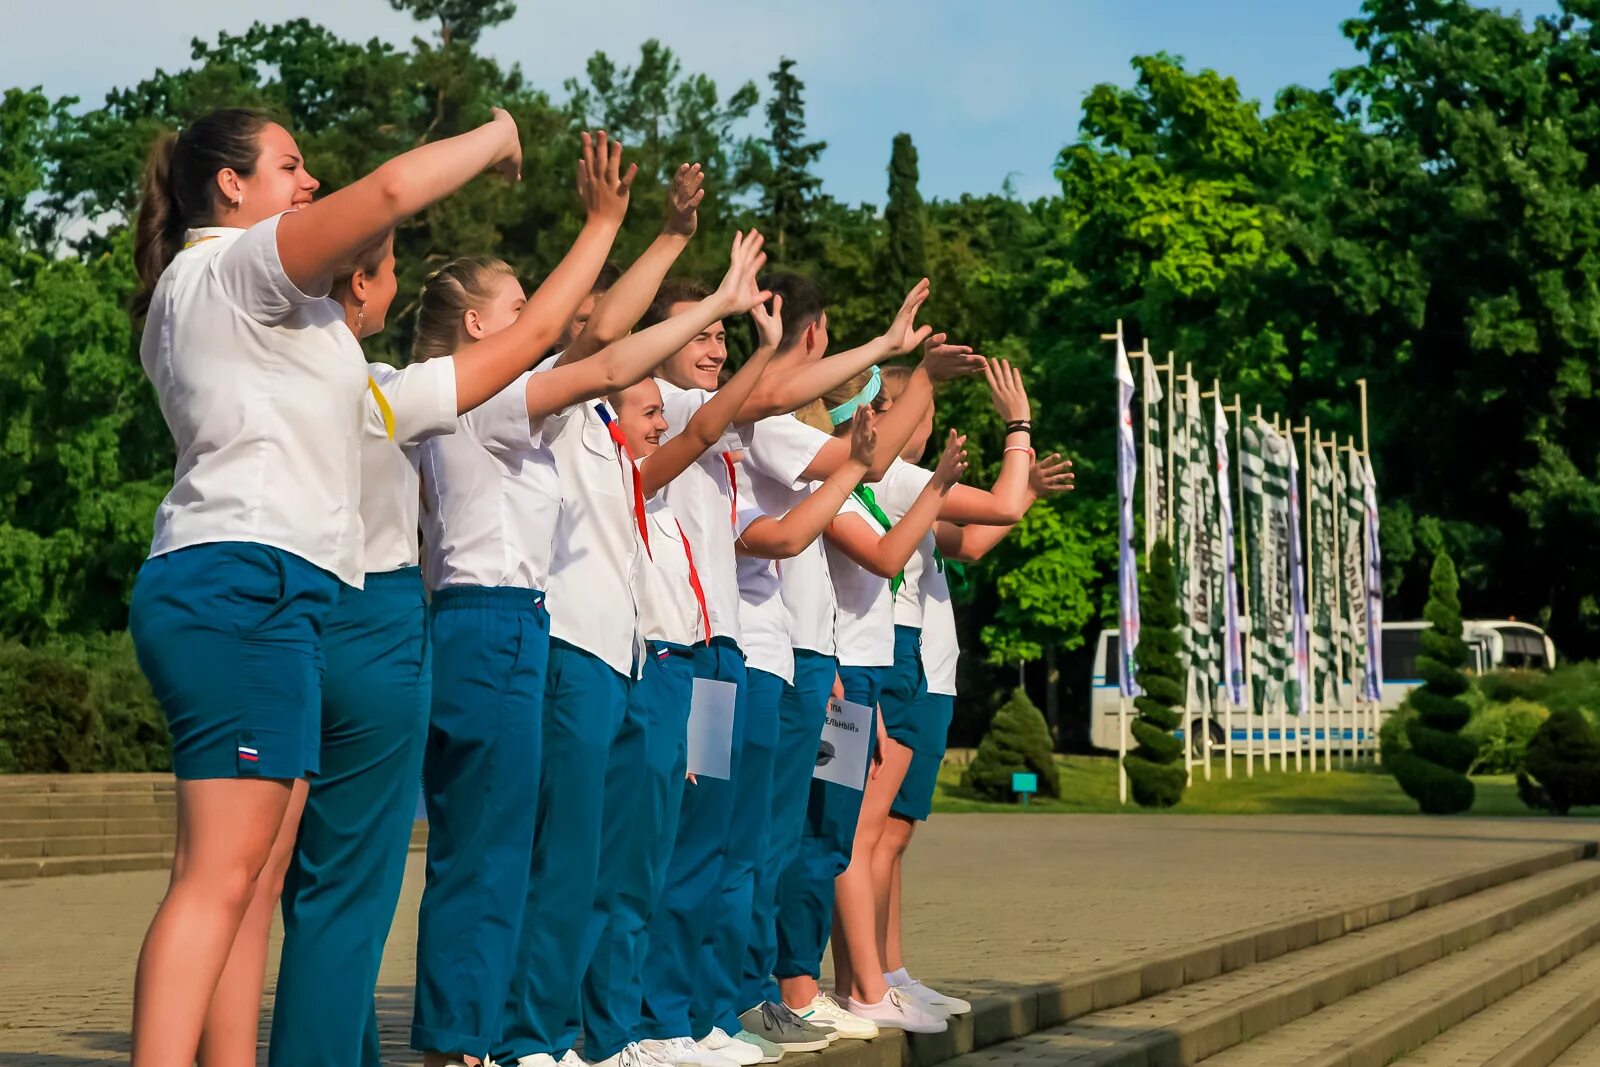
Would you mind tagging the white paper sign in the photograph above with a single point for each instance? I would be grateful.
(846, 736)
(711, 728)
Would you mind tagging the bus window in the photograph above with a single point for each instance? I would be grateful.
(1522, 649)
(1400, 648)
(1113, 658)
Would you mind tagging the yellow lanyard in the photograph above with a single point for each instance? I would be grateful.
(207, 237)
(383, 408)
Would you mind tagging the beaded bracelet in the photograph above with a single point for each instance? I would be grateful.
(1020, 448)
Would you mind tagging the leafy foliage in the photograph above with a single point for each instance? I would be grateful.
(1562, 768)
(1433, 772)
(78, 705)
(1502, 733)
(1155, 774)
(1018, 742)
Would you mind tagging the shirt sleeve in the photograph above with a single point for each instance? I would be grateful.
(422, 397)
(749, 511)
(782, 447)
(251, 274)
(501, 423)
(899, 488)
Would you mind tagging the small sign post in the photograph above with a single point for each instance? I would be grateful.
(1024, 785)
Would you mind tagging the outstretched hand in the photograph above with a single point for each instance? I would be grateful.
(944, 361)
(739, 291)
(903, 334)
(601, 182)
(1006, 391)
(683, 200)
(769, 323)
(1051, 474)
(864, 436)
(953, 463)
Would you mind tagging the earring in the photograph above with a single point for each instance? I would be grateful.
(238, 201)
(361, 317)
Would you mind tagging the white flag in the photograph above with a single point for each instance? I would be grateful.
(1127, 567)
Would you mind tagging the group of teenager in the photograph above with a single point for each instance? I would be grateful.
(506, 569)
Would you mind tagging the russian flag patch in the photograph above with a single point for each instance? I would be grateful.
(249, 755)
(663, 653)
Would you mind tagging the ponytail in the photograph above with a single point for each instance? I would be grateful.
(448, 293)
(180, 191)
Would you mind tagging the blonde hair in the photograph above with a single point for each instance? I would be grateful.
(815, 414)
(895, 378)
(366, 259)
(462, 285)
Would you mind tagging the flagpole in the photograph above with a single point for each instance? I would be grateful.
(1122, 684)
(1244, 572)
(1305, 565)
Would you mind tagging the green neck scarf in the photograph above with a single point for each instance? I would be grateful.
(869, 500)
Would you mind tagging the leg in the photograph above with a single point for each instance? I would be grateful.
(226, 831)
(349, 861)
(886, 887)
(481, 778)
(861, 977)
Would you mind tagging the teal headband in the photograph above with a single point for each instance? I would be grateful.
(869, 392)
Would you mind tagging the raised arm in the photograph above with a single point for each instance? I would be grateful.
(940, 362)
(619, 309)
(707, 425)
(798, 379)
(314, 241)
(1009, 498)
(885, 555)
(490, 365)
(788, 535)
(968, 544)
(629, 360)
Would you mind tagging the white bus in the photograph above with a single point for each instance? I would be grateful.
(1491, 644)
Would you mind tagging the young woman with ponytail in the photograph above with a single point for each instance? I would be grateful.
(262, 385)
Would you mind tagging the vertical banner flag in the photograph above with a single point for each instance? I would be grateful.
(1323, 571)
(1275, 629)
(1301, 704)
(1252, 475)
(1353, 573)
(1127, 567)
(1369, 498)
(1155, 457)
(1232, 646)
(1183, 523)
(1205, 581)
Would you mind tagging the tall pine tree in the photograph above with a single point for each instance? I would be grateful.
(906, 258)
(1434, 772)
(1155, 771)
(461, 21)
(789, 189)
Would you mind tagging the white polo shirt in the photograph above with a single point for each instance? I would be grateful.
(597, 549)
(702, 498)
(865, 621)
(261, 386)
(924, 597)
(422, 398)
(490, 496)
(780, 450)
(762, 614)
(668, 608)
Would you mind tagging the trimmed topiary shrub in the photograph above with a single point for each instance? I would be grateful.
(1502, 733)
(1434, 771)
(1561, 770)
(1156, 775)
(1018, 741)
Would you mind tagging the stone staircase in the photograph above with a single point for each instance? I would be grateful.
(1499, 968)
(91, 824)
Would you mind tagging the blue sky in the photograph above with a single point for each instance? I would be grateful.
(987, 88)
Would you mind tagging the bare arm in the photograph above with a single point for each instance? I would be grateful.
(636, 355)
(315, 240)
(885, 555)
(803, 379)
(619, 309)
(968, 544)
(787, 536)
(705, 428)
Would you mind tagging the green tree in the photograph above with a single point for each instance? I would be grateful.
(789, 190)
(459, 20)
(1434, 770)
(906, 259)
(1018, 742)
(1156, 773)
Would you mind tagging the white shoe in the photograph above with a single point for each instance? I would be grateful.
(632, 1055)
(570, 1058)
(827, 1011)
(900, 1012)
(932, 999)
(538, 1059)
(683, 1052)
(739, 1052)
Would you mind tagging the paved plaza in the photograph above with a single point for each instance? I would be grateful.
(994, 903)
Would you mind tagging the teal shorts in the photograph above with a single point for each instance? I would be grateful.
(904, 686)
(933, 714)
(230, 636)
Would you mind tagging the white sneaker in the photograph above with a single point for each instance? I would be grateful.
(900, 1012)
(683, 1052)
(538, 1059)
(928, 997)
(739, 1052)
(632, 1055)
(824, 1009)
(570, 1058)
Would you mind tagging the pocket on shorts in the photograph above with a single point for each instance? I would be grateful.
(251, 587)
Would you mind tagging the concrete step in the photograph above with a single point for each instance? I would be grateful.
(1191, 1021)
(1371, 1028)
(33, 784)
(82, 856)
(30, 829)
(143, 807)
(1530, 1028)
(98, 845)
(1584, 1052)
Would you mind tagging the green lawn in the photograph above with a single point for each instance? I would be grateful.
(1089, 784)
